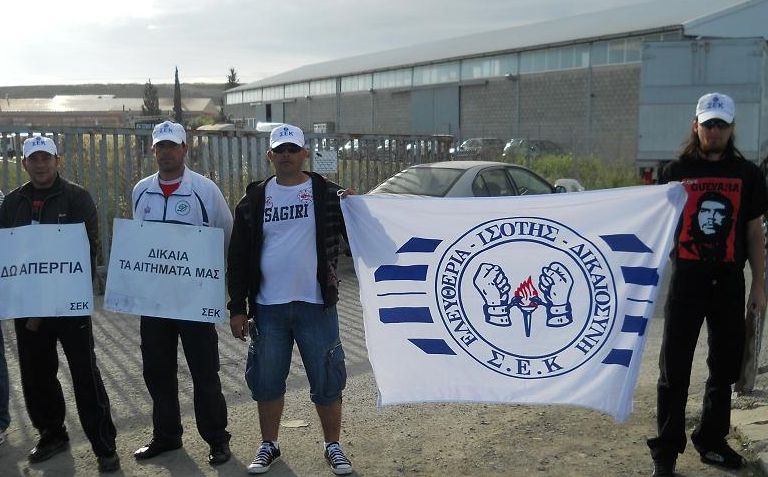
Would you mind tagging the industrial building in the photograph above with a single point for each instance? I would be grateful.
(591, 83)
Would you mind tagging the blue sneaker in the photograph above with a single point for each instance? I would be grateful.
(339, 463)
(268, 453)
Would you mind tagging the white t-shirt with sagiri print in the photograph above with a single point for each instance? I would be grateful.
(288, 253)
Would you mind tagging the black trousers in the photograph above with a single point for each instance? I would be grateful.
(722, 308)
(159, 343)
(39, 364)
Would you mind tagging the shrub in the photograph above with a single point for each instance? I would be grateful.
(591, 171)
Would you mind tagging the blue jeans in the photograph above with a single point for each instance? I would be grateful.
(5, 417)
(315, 329)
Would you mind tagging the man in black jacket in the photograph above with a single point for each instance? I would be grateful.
(49, 199)
(281, 272)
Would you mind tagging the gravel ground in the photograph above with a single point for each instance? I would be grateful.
(418, 440)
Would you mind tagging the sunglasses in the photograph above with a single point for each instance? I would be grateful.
(287, 147)
(715, 123)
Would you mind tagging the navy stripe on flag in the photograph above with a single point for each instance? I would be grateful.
(626, 243)
(634, 324)
(405, 315)
(432, 346)
(619, 356)
(401, 272)
(640, 275)
(416, 244)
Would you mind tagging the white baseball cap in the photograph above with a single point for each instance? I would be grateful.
(39, 143)
(286, 134)
(717, 106)
(169, 131)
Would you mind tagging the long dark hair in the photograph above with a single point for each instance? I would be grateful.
(691, 150)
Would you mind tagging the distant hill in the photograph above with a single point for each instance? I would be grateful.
(189, 90)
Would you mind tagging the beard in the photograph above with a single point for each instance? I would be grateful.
(717, 148)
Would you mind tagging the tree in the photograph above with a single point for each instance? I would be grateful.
(232, 82)
(177, 99)
(151, 106)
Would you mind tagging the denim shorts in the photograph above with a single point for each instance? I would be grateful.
(315, 330)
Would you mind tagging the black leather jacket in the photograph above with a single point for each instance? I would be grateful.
(67, 203)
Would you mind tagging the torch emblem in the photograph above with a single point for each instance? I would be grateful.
(527, 299)
(555, 283)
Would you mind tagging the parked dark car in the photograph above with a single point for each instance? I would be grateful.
(466, 179)
(529, 148)
(478, 148)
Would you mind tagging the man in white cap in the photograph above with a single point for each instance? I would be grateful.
(49, 199)
(178, 195)
(281, 273)
(708, 284)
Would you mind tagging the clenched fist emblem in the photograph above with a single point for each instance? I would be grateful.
(556, 283)
(494, 287)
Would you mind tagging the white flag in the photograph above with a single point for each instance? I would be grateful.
(538, 299)
(166, 270)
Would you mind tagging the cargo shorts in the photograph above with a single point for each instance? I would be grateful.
(315, 329)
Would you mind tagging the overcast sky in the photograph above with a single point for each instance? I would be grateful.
(104, 41)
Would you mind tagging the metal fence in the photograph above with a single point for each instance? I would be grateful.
(109, 161)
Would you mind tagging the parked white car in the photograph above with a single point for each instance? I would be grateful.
(570, 185)
(466, 179)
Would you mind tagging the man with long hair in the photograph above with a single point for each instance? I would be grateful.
(719, 231)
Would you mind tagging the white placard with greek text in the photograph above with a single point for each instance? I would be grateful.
(45, 271)
(166, 270)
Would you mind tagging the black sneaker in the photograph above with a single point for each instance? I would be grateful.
(663, 468)
(339, 463)
(722, 456)
(219, 453)
(264, 459)
(48, 446)
(109, 463)
(156, 447)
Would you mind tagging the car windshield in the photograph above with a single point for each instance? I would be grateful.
(433, 181)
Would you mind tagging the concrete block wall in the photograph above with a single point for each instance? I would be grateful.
(297, 113)
(323, 109)
(356, 111)
(488, 109)
(392, 112)
(305, 112)
(554, 106)
(616, 92)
